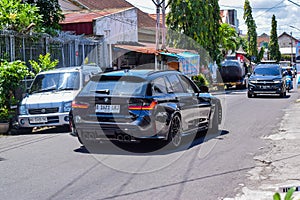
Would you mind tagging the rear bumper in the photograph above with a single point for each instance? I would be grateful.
(96, 130)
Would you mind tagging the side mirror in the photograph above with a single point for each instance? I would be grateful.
(248, 74)
(203, 89)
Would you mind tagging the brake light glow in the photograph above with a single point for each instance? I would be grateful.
(80, 105)
(145, 106)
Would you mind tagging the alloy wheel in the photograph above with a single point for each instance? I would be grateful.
(175, 134)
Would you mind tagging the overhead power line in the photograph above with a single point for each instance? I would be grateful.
(269, 9)
(266, 11)
(240, 7)
(294, 3)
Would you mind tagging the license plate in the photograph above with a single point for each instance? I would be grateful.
(107, 108)
(36, 120)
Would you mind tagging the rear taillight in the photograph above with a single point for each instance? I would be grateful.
(76, 104)
(142, 105)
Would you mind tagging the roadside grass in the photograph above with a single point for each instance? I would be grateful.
(288, 196)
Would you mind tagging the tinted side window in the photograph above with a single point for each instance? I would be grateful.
(188, 85)
(175, 83)
(159, 86)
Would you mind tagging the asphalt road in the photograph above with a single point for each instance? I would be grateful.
(49, 165)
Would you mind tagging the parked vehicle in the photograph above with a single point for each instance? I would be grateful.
(136, 105)
(266, 79)
(48, 100)
(232, 74)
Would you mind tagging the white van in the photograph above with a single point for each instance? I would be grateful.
(48, 100)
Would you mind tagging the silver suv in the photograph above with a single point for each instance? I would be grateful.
(48, 100)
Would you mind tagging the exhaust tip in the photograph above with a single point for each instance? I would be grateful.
(127, 138)
(120, 138)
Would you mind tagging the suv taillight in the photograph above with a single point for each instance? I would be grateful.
(142, 105)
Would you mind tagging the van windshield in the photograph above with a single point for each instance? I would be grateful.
(55, 81)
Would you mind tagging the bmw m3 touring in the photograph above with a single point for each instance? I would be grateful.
(136, 105)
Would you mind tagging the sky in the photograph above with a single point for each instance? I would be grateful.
(287, 13)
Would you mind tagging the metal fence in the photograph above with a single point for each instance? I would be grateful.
(67, 48)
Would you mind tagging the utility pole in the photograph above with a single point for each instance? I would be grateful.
(157, 24)
(157, 34)
(291, 49)
(163, 35)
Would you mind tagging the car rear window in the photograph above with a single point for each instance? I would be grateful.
(115, 85)
(230, 63)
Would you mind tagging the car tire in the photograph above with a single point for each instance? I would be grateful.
(283, 94)
(249, 95)
(175, 132)
(23, 130)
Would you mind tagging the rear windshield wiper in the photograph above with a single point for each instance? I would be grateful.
(104, 91)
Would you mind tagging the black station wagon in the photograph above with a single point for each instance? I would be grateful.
(135, 105)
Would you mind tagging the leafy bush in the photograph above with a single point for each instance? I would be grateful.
(11, 73)
(4, 115)
(44, 63)
(200, 80)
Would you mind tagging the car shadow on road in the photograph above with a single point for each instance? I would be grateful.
(205, 137)
(148, 147)
(272, 96)
(41, 131)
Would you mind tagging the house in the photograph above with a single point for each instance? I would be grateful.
(230, 17)
(146, 24)
(128, 35)
(263, 40)
(287, 44)
(112, 22)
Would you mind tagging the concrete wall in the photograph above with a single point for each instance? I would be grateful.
(285, 41)
(118, 27)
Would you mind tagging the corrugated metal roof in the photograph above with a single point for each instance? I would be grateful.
(149, 48)
(87, 16)
(66, 5)
(144, 20)
(105, 4)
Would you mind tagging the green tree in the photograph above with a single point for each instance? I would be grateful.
(18, 16)
(197, 20)
(44, 63)
(261, 54)
(228, 39)
(273, 44)
(251, 31)
(51, 12)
